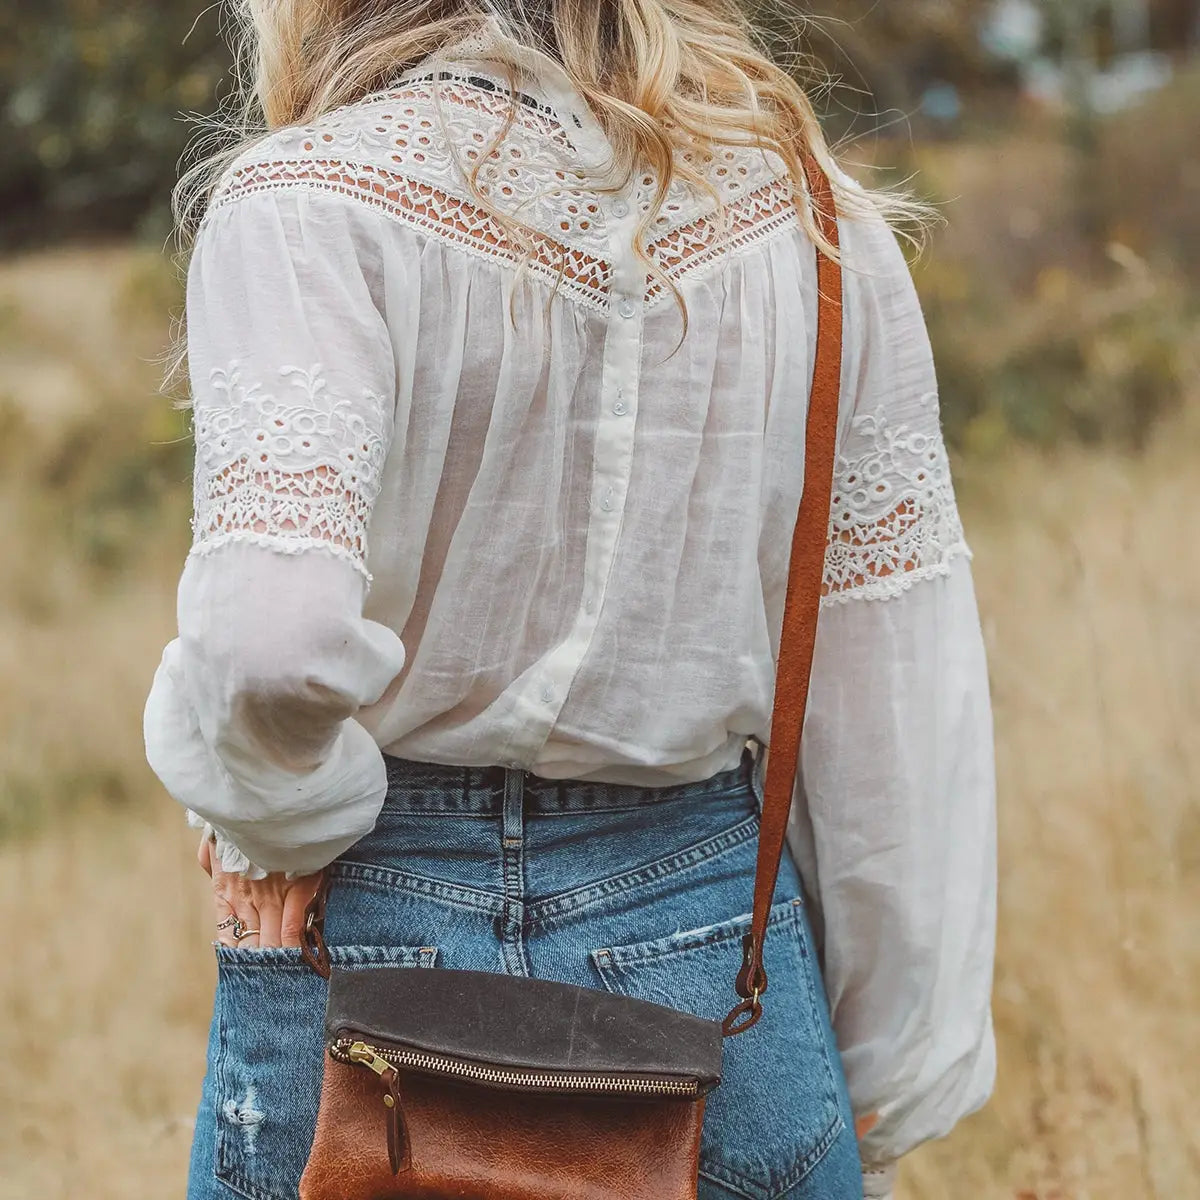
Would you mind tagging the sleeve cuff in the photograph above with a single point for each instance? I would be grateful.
(261, 820)
(232, 860)
(879, 1181)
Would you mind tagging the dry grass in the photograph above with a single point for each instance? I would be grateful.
(1089, 589)
(1089, 608)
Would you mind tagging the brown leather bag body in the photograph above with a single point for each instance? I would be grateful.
(483, 1086)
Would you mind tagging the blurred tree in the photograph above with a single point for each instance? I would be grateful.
(879, 58)
(92, 94)
(91, 101)
(1175, 25)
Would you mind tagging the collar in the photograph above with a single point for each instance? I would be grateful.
(544, 79)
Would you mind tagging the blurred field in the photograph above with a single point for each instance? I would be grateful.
(1089, 589)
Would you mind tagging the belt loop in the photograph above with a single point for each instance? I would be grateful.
(753, 747)
(757, 770)
(514, 805)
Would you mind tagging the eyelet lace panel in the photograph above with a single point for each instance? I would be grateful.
(287, 463)
(387, 150)
(441, 214)
(894, 519)
(689, 249)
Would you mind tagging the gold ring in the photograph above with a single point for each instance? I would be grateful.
(232, 919)
(243, 932)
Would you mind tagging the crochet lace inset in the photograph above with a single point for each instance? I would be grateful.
(388, 150)
(894, 518)
(286, 462)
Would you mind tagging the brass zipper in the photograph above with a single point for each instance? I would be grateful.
(380, 1058)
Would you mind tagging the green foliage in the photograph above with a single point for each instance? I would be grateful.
(91, 107)
(116, 468)
(1045, 330)
(1082, 360)
(95, 94)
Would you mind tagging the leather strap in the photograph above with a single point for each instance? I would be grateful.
(312, 940)
(806, 570)
(798, 636)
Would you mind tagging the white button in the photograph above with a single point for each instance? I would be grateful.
(620, 209)
(619, 408)
(590, 606)
(627, 308)
(547, 694)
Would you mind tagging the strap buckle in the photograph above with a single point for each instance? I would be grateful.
(312, 941)
(752, 978)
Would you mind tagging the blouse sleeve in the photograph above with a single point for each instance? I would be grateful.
(894, 826)
(250, 721)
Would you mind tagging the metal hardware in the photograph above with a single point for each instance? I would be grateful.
(381, 1059)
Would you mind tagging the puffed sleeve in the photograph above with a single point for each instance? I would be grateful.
(250, 721)
(894, 825)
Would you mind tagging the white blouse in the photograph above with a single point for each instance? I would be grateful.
(559, 541)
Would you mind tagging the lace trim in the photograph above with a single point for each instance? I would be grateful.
(388, 151)
(233, 861)
(894, 519)
(487, 94)
(452, 218)
(531, 175)
(687, 250)
(295, 469)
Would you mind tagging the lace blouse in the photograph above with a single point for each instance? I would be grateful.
(561, 544)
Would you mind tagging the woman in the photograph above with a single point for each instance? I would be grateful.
(492, 508)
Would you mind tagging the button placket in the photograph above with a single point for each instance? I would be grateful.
(548, 688)
(545, 692)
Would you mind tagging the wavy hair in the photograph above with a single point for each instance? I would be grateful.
(661, 76)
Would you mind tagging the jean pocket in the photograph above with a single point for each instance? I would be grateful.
(776, 1110)
(269, 1058)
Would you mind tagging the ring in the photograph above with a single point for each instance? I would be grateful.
(232, 919)
(243, 932)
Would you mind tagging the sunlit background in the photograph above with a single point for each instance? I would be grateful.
(1062, 141)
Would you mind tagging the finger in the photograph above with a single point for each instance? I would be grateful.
(270, 921)
(294, 905)
(204, 854)
(246, 905)
(225, 916)
(234, 896)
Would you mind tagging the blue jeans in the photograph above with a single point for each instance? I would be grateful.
(644, 891)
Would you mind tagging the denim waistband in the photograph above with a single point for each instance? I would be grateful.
(436, 787)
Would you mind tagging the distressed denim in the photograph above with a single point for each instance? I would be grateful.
(643, 891)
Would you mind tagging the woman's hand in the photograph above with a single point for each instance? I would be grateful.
(268, 912)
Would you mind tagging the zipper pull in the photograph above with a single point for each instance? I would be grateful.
(360, 1052)
(399, 1150)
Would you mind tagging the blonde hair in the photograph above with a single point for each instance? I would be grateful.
(660, 76)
